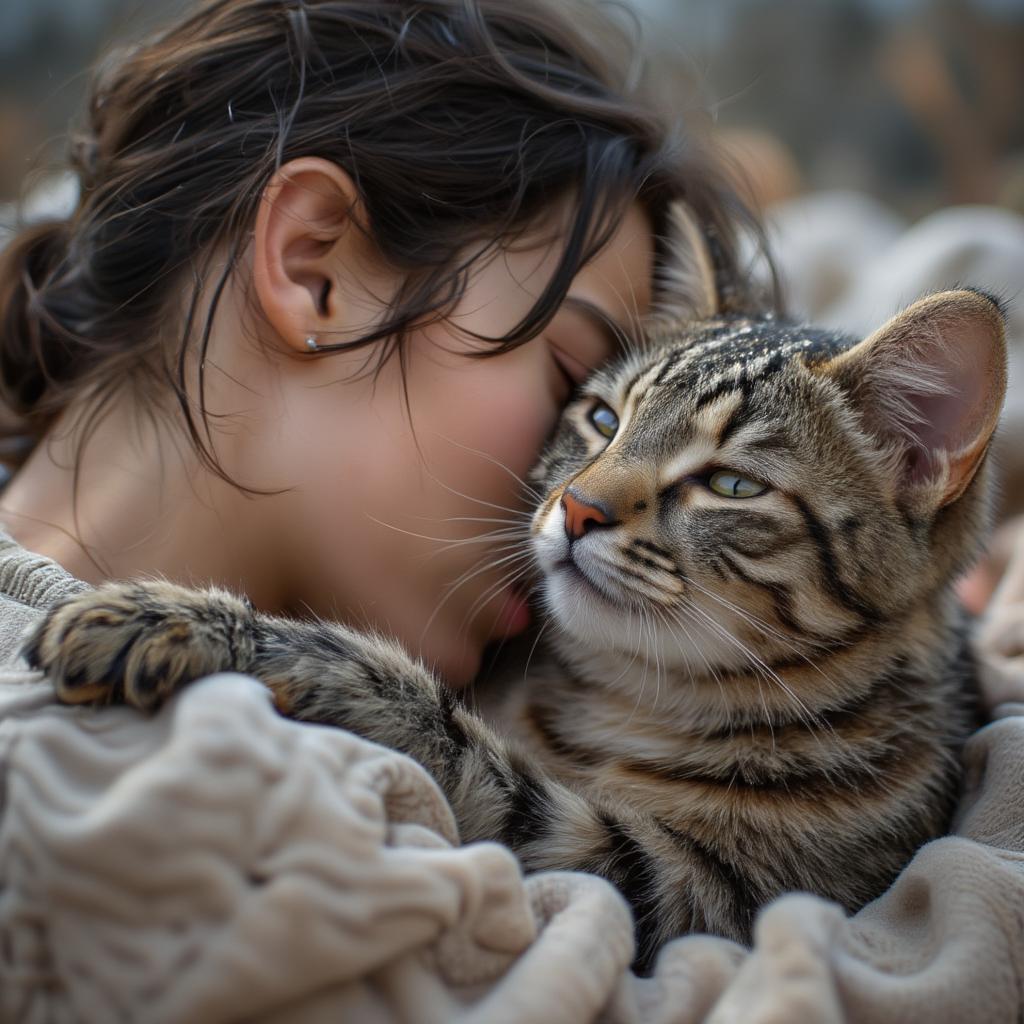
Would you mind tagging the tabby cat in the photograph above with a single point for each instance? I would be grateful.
(758, 676)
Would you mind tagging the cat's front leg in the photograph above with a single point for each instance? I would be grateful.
(138, 643)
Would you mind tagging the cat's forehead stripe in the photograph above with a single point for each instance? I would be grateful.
(722, 417)
(639, 385)
(710, 361)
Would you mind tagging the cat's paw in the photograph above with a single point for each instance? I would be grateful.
(137, 643)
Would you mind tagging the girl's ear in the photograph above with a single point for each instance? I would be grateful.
(304, 231)
(684, 284)
(931, 384)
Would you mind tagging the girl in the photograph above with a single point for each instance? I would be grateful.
(334, 269)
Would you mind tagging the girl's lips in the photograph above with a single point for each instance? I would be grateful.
(513, 615)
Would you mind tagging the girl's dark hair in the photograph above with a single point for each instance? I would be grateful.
(460, 121)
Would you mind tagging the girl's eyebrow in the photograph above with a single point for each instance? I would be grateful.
(614, 332)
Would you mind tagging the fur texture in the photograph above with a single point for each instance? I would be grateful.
(756, 678)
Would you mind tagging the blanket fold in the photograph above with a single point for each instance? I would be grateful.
(217, 862)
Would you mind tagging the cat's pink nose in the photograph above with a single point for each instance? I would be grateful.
(581, 516)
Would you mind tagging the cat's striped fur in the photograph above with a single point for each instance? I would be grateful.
(738, 696)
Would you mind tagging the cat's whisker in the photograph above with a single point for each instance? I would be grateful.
(649, 644)
(531, 491)
(803, 712)
(657, 663)
(513, 538)
(654, 647)
(743, 613)
(476, 501)
(503, 534)
(450, 541)
(471, 614)
(646, 663)
(482, 600)
(759, 624)
(639, 638)
(476, 570)
(509, 540)
(677, 616)
(636, 650)
(628, 338)
(515, 555)
(408, 533)
(725, 634)
(533, 648)
(634, 659)
(672, 617)
(659, 612)
(518, 521)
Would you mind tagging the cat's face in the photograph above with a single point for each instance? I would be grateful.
(745, 486)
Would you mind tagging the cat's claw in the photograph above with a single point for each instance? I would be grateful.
(138, 643)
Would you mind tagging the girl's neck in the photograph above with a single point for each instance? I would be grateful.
(133, 514)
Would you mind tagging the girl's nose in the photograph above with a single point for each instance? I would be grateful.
(582, 515)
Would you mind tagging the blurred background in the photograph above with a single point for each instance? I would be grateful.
(883, 140)
(916, 102)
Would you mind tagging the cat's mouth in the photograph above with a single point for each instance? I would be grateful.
(616, 585)
(599, 589)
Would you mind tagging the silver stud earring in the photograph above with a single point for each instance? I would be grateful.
(311, 344)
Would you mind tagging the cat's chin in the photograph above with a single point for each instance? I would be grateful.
(583, 612)
(590, 589)
(598, 621)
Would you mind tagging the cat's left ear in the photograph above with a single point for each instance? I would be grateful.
(685, 285)
(931, 383)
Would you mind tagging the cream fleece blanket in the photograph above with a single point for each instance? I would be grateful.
(219, 863)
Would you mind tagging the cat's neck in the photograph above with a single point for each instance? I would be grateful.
(698, 699)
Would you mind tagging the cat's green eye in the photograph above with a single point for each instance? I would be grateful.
(731, 485)
(606, 423)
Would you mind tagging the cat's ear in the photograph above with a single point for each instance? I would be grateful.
(931, 383)
(685, 285)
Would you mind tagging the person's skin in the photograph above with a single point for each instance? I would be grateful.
(995, 591)
(360, 494)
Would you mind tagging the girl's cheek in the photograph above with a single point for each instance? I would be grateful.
(512, 428)
(497, 411)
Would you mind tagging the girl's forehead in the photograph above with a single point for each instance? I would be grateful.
(619, 279)
(616, 284)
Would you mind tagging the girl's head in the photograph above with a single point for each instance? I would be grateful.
(414, 186)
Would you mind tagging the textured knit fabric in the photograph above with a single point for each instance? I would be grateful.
(217, 862)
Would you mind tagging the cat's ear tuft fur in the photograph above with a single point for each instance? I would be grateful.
(931, 383)
(685, 282)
